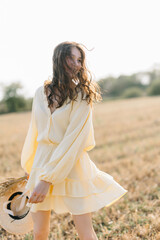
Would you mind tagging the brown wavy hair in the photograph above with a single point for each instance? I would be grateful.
(61, 80)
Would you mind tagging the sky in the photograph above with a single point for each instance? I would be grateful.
(124, 36)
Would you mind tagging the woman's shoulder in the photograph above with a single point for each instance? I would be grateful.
(80, 102)
(39, 89)
(39, 92)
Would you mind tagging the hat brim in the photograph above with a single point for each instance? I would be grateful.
(15, 224)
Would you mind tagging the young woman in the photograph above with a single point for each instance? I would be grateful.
(62, 177)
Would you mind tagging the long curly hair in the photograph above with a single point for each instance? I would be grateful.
(61, 81)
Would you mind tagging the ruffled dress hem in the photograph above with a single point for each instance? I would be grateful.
(80, 197)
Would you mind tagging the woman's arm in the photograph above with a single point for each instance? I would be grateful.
(30, 143)
(79, 136)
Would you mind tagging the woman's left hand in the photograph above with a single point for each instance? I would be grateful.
(39, 192)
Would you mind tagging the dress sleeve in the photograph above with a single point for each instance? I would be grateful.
(30, 143)
(78, 137)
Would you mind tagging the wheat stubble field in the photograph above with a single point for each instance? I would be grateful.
(127, 134)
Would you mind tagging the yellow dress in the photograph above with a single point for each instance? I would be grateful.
(56, 150)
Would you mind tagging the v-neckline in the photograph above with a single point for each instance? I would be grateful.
(48, 109)
(46, 103)
(53, 111)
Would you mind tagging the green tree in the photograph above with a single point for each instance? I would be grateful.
(132, 92)
(154, 88)
(114, 87)
(13, 100)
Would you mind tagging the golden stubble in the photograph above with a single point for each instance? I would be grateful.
(127, 134)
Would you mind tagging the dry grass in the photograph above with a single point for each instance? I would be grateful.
(127, 134)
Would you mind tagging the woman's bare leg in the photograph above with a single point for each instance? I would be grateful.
(41, 221)
(84, 227)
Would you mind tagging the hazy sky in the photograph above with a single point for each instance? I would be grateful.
(124, 34)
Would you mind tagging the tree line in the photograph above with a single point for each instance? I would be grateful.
(139, 84)
(129, 86)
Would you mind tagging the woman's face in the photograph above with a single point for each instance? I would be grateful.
(74, 62)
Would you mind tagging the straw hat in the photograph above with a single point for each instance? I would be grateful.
(15, 216)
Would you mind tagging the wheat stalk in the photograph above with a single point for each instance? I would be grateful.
(9, 183)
